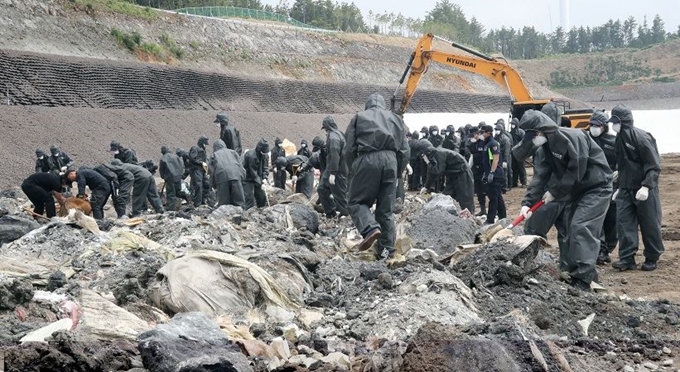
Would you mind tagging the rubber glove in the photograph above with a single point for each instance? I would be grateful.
(331, 179)
(615, 176)
(548, 197)
(505, 165)
(524, 212)
(294, 179)
(423, 190)
(616, 193)
(642, 194)
(409, 169)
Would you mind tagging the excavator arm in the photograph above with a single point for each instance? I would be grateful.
(498, 71)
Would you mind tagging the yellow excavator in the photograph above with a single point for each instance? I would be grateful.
(495, 69)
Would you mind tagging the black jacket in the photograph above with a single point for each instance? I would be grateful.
(451, 142)
(42, 165)
(91, 179)
(335, 147)
(138, 172)
(607, 143)
(231, 137)
(171, 167)
(122, 174)
(376, 129)
(255, 164)
(47, 181)
(126, 156)
(277, 151)
(573, 162)
(197, 156)
(225, 165)
(637, 158)
(305, 150)
(58, 162)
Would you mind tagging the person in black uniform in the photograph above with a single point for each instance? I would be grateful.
(476, 160)
(277, 152)
(257, 174)
(415, 179)
(200, 184)
(599, 131)
(42, 163)
(451, 140)
(40, 189)
(99, 188)
(637, 199)
(59, 161)
(304, 149)
(519, 173)
(123, 154)
(435, 138)
(493, 176)
(228, 133)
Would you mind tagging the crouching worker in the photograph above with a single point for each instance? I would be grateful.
(300, 171)
(459, 184)
(99, 188)
(40, 189)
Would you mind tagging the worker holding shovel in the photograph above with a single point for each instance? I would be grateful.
(573, 170)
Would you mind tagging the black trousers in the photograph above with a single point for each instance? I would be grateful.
(98, 199)
(41, 199)
(254, 195)
(494, 191)
(518, 172)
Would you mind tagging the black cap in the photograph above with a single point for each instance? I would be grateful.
(203, 140)
(115, 145)
(39, 152)
(165, 150)
(54, 149)
(486, 128)
(598, 118)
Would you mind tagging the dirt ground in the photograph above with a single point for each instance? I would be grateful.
(659, 284)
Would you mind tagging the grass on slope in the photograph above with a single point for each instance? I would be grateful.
(91, 7)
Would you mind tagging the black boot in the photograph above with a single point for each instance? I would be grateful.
(580, 284)
(623, 265)
(649, 265)
(603, 258)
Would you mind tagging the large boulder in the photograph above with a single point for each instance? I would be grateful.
(14, 227)
(190, 342)
(302, 216)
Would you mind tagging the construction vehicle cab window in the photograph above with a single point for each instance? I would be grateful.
(496, 69)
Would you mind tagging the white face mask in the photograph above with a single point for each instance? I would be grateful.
(303, 145)
(434, 132)
(278, 145)
(496, 132)
(116, 152)
(41, 157)
(56, 155)
(595, 131)
(539, 140)
(473, 140)
(616, 127)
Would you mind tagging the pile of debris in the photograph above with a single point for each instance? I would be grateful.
(281, 288)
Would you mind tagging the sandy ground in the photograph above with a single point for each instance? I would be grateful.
(659, 284)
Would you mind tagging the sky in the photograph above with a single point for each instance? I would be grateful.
(542, 14)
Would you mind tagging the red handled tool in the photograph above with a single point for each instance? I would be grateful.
(519, 219)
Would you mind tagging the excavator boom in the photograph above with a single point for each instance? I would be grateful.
(498, 71)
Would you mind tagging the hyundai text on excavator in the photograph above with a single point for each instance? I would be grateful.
(495, 69)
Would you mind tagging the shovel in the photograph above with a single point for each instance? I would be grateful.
(520, 219)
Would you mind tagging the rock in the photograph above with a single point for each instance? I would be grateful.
(337, 359)
(628, 369)
(385, 280)
(633, 321)
(190, 342)
(667, 351)
(650, 366)
(15, 292)
(371, 271)
(280, 347)
(14, 227)
(224, 212)
(106, 321)
(441, 201)
(667, 362)
(304, 217)
(258, 329)
(57, 280)
(624, 281)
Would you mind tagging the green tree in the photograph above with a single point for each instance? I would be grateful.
(658, 32)
(557, 40)
(629, 26)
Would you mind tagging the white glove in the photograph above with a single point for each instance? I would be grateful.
(505, 165)
(548, 197)
(615, 176)
(409, 169)
(524, 212)
(426, 159)
(263, 187)
(265, 182)
(642, 194)
(294, 179)
(205, 165)
(63, 169)
(423, 190)
(616, 193)
(331, 179)
(470, 162)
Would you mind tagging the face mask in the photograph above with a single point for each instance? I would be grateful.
(444, 133)
(56, 155)
(264, 153)
(41, 157)
(595, 131)
(278, 145)
(496, 132)
(303, 145)
(539, 140)
(616, 127)
(473, 140)
(116, 152)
